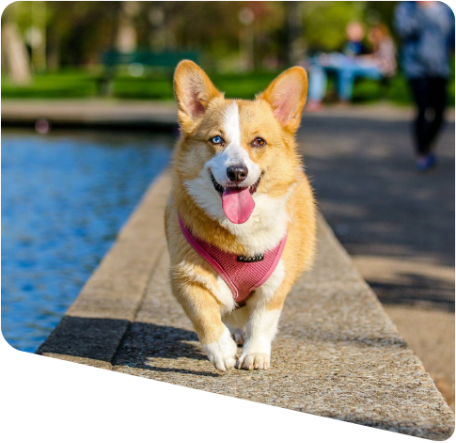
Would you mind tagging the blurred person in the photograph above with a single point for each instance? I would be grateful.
(427, 32)
(355, 35)
(354, 62)
(384, 50)
(451, 7)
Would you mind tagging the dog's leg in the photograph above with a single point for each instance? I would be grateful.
(236, 320)
(204, 311)
(260, 330)
(222, 351)
(238, 335)
(265, 308)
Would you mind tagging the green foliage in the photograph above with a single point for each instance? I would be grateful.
(77, 32)
(85, 29)
(325, 22)
(382, 11)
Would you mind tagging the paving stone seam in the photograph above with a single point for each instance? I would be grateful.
(137, 309)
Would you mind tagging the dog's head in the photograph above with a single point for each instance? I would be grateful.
(232, 151)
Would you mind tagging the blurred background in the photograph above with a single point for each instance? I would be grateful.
(87, 98)
(61, 49)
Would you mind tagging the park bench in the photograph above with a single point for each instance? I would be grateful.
(138, 61)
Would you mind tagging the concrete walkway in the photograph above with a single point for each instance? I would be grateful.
(397, 224)
(337, 354)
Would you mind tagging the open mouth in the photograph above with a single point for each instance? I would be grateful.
(237, 201)
(220, 189)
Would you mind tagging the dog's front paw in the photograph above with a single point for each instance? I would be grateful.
(222, 354)
(255, 355)
(254, 360)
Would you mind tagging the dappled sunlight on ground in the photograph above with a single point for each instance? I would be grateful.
(396, 223)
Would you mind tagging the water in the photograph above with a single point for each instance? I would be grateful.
(64, 198)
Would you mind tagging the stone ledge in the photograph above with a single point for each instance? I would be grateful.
(337, 353)
(133, 113)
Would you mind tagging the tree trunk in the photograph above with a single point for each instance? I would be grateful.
(126, 32)
(38, 36)
(53, 50)
(294, 51)
(15, 54)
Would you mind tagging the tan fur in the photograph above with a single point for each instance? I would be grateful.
(201, 112)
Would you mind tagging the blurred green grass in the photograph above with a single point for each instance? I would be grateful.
(78, 84)
(153, 86)
(62, 85)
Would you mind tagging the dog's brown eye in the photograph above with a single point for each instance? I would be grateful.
(259, 142)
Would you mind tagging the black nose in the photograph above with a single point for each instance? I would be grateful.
(237, 173)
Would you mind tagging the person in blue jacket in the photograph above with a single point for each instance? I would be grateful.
(427, 32)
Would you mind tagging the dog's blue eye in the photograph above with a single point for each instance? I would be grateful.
(217, 140)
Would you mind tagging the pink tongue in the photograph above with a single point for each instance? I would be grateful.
(238, 204)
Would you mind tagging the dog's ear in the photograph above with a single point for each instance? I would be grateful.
(193, 91)
(287, 96)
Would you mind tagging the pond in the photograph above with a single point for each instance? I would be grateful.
(64, 198)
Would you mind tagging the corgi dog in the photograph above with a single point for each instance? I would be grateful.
(241, 218)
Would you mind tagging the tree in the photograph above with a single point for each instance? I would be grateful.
(15, 57)
(78, 31)
(126, 39)
(293, 49)
(325, 22)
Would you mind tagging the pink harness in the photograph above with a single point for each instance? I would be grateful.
(242, 274)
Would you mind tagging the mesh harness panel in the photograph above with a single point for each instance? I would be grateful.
(242, 277)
